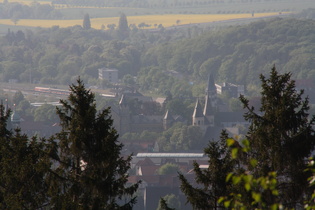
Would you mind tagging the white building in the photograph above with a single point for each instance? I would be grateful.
(110, 75)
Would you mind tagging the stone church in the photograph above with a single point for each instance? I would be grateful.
(210, 118)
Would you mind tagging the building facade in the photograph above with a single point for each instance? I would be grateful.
(110, 75)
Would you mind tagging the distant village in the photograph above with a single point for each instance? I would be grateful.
(210, 114)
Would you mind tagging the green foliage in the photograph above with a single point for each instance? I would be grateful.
(168, 169)
(268, 170)
(281, 136)
(235, 105)
(144, 136)
(251, 192)
(57, 55)
(91, 171)
(211, 181)
(128, 80)
(310, 202)
(169, 202)
(180, 138)
(228, 53)
(17, 97)
(24, 164)
(46, 114)
(35, 10)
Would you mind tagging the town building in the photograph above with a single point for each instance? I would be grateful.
(232, 90)
(111, 75)
(211, 119)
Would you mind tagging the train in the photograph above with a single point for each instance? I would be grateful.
(52, 91)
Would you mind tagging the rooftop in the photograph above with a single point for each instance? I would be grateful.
(172, 155)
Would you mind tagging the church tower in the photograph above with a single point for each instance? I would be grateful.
(198, 118)
(211, 101)
(211, 92)
(167, 120)
(205, 118)
(124, 116)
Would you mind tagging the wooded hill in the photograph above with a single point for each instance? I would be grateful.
(239, 54)
(235, 54)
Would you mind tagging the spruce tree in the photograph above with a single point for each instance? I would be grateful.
(281, 135)
(210, 182)
(91, 174)
(86, 22)
(24, 164)
(123, 28)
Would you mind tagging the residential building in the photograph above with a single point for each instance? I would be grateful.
(110, 75)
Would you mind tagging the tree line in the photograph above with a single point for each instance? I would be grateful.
(35, 10)
(235, 54)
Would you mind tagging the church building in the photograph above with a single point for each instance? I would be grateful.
(211, 119)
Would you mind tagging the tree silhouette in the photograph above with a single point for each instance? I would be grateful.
(281, 135)
(86, 22)
(123, 28)
(91, 172)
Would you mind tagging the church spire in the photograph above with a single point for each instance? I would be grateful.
(211, 100)
(211, 88)
(123, 101)
(167, 120)
(198, 117)
(208, 109)
(197, 110)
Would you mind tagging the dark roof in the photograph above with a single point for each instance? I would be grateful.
(197, 110)
(211, 86)
(146, 162)
(168, 116)
(229, 117)
(208, 110)
(149, 170)
(152, 119)
(123, 100)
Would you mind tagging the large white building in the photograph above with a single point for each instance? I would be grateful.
(110, 75)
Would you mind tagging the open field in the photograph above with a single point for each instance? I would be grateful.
(153, 20)
(228, 7)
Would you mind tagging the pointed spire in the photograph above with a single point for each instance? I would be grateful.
(197, 110)
(168, 116)
(211, 86)
(123, 101)
(208, 109)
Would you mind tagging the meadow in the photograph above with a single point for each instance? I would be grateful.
(152, 20)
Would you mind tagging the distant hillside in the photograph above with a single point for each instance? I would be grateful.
(175, 61)
(239, 54)
(308, 14)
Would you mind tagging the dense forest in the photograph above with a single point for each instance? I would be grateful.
(239, 54)
(163, 60)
